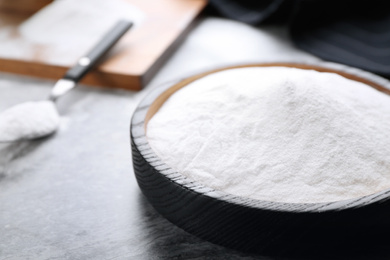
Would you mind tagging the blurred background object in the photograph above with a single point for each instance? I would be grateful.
(254, 12)
(50, 41)
(23, 6)
(356, 33)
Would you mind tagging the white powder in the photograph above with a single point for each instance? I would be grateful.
(66, 29)
(277, 134)
(28, 121)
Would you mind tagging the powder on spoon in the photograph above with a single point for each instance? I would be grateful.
(277, 134)
(28, 121)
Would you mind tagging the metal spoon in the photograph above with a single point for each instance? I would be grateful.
(33, 120)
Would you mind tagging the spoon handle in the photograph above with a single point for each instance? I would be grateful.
(86, 62)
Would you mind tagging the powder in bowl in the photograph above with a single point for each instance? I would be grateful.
(277, 134)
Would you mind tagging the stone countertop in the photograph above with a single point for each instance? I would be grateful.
(73, 195)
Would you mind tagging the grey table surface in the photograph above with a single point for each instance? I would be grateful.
(73, 195)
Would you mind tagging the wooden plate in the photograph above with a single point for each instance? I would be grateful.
(253, 225)
(131, 64)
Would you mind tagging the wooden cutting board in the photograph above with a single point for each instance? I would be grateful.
(131, 63)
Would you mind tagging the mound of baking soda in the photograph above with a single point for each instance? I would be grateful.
(277, 134)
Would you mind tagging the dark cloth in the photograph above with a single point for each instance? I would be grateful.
(352, 32)
(250, 11)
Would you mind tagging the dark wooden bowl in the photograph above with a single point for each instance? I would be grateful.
(253, 225)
